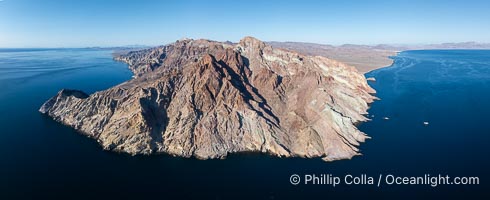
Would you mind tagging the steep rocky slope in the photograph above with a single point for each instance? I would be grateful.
(207, 99)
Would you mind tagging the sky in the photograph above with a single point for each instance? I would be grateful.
(83, 23)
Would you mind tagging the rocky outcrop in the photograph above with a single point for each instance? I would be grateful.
(372, 79)
(207, 99)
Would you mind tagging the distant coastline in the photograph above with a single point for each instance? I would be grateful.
(366, 58)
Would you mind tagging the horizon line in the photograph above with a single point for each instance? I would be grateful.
(149, 46)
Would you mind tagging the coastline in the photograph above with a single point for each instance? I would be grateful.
(388, 63)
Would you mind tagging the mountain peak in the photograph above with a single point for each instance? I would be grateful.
(249, 41)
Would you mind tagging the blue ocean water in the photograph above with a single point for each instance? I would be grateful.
(40, 158)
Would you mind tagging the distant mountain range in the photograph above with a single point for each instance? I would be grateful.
(391, 47)
(459, 45)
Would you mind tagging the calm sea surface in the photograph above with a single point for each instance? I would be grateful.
(449, 89)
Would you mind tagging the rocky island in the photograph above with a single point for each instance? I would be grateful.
(207, 99)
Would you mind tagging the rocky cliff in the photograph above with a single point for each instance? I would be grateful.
(207, 99)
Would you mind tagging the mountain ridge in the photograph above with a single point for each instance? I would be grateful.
(207, 99)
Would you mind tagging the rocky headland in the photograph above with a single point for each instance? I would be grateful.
(207, 99)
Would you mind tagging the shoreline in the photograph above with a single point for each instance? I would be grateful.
(384, 66)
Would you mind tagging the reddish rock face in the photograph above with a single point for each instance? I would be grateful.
(207, 99)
